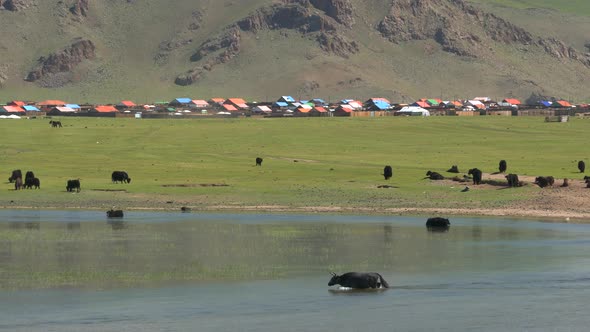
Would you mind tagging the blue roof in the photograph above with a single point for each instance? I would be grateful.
(281, 104)
(381, 105)
(319, 100)
(30, 108)
(183, 100)
(546, 103)
(73, 106)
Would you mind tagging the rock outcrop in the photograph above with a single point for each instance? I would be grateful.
(301, 16)
(63, 61)
(15, 5)
(462, 29)
(80, 8)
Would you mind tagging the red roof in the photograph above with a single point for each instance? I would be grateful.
(229, 107)
(512, 101)
(128, 103)
(105, 109)
(17, 103)
(51, 103)
(564, 103)
(13, 109)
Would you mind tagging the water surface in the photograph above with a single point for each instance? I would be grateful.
(76, 271)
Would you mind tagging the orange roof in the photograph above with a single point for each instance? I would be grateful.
(457, 103)
(238, 102)
(512, 101)
(128, 103)
(217, 100)
(320, 109)
(105, 109)
(51, 103)
(422, 104)
(303, 110)
(13, 109)
(480, 106)
(229, 107)
(564, 103)
(17, 103)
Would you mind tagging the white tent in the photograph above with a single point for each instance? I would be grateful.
(11, 116)
(413, 110)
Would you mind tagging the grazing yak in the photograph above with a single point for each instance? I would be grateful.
(258, 161)
(73, 185)
(115, 213)
(387, 172)
(502, 166)
(566, 183)
(359, 280)
(120, 176)
(438, 223)
(453, 169)
(587, 181)
(434, 176)
(581, 166)
(476, 173)
(544, 181)
(15, 175)
(55, 124)
(32, 182)
(512, 180)
(18, 184)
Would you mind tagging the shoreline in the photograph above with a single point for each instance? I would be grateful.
(550, 215)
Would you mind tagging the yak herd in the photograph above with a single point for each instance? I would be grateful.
(72, 185)
(475, 175)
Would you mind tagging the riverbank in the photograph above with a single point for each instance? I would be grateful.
(556, 204)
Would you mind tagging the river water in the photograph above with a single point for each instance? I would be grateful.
(76, 271)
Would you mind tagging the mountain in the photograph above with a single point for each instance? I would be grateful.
(149, 50)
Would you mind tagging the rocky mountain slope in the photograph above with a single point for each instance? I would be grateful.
(401, 49)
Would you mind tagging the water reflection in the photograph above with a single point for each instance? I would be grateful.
(115, 254)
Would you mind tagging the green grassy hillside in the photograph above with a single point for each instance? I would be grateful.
(128, 38)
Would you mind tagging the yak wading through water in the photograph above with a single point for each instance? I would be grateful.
(359, 280)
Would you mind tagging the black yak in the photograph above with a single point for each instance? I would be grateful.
(73, 185)
(476, 173)
(387, 172)
(502, 166)
(544, 181)
(453, 169)
(258, 161)
(434, 176)
(438, 223)
(55, 124)
(512, 180)
(581, 166)
(15, 174)
(32, 182)
(115, 213)
(359, 280)
(566, 183)
(120, 176)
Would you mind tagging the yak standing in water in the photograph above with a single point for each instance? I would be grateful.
(502, 166)
(387, 172)
(359, 280)
(581, 166)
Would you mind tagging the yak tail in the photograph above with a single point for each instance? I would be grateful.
(383, 282)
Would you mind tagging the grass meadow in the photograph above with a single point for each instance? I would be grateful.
(307, 161)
